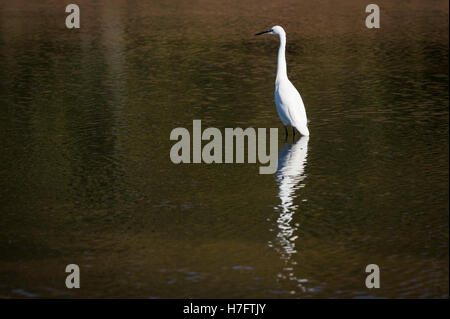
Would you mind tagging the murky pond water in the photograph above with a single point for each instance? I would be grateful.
(86, 177)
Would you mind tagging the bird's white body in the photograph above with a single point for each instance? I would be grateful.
(289, 103)
(290, 107)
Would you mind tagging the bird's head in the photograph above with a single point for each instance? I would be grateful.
(274, 30)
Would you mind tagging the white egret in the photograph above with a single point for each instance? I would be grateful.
(290, 107)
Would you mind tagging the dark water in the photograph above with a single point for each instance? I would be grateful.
(86, 178)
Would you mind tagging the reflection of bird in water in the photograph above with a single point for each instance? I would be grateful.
(290, 175)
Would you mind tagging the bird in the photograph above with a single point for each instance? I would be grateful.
(288, 101)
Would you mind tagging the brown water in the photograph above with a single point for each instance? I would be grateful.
(86, 176)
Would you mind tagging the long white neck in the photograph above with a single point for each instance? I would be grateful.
(281, 65)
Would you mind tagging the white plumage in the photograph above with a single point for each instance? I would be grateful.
(289, 103)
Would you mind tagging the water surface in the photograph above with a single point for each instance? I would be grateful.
(86, 178)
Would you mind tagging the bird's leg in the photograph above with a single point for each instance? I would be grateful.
(286, 130)
(293, 130)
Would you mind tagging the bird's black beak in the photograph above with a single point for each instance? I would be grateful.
(263, 32)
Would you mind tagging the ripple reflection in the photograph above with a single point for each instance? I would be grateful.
(290, 176)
